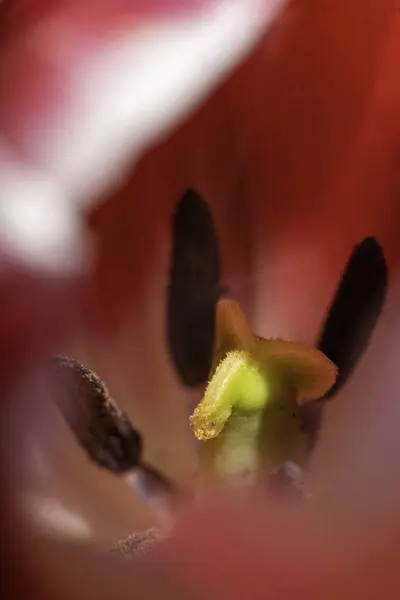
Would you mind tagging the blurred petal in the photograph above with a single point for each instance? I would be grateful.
(86, 95)
(39, 227)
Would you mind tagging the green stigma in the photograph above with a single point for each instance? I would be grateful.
(238, 383)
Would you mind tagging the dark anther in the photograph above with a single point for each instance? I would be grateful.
(350, 321)
(99, 426)
(355, 309)
(194, 289)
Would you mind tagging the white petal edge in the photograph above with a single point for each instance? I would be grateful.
(138, 88)
(141, 86)
(39, 227)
